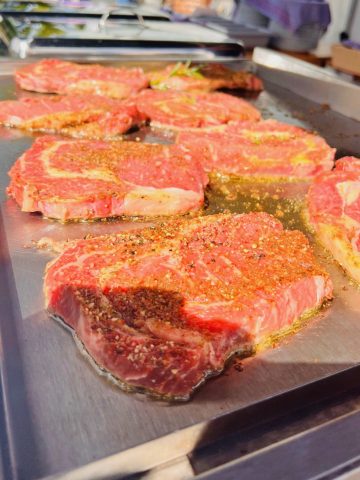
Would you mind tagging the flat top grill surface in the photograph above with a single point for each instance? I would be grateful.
(60, 413)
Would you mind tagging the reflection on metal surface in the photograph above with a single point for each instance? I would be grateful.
(179, 469)
(154, 457)
(324, 451)
(280, 61)
(311, 82)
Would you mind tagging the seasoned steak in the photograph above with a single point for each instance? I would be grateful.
(59, 76)
(213, 76)
(70, 180)
(177, 110)
(88, 116)
(163, 309)
(334, 207)
(267, 149)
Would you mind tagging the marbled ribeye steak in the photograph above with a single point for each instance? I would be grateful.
(266, 148)
(163, 309)
(89, 179)
(183, 110)
(334, 207)
(59, 76)
(83, 116)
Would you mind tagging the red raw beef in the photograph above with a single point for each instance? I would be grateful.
(86, 179)
(334, 208)
(176, 110)
(88, 116)
(267, 149)
(164, 308)
(59, 76)
(213, 76)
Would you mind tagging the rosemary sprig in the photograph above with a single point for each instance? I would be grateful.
(184, 70)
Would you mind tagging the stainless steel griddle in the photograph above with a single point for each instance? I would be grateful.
(58, 415)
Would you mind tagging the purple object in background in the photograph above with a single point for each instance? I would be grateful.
(351, 44)
(293, 14)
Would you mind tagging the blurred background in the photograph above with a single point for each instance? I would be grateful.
(325, 33)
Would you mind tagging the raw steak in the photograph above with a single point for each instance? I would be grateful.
(58, 76)
(334, 207)
(163, 309)
(176, 110)
(86, 179)
(88, 116)
(267, 149)
(212, 76)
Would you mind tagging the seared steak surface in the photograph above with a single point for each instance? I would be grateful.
(163, 309)
(213, 76)
(334, 207)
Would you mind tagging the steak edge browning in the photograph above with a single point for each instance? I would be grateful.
(213, 76)
(163, 309)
